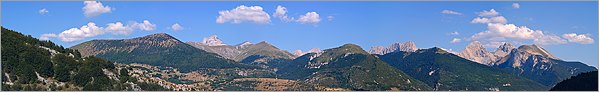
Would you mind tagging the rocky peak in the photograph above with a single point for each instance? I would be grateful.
(314, 50)
(504, 49)
(243, 45)
(477, 53)
(300, 52)
(264, 43)
(408, 46)
(475, 45)
(537, 50)
(213, 41)
(377, 50)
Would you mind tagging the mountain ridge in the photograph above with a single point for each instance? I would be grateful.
(158, 49)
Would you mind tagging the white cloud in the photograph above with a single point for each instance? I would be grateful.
(451, 12)
(516, 5)
(92, 30)
(330, 18)
(94, 8)
(579, 38)
(243, 14)
(309, 18)
(118, 28)
(43, 11)
(176, 27)
(281, 13)
(75, 34)
(456, 40)
(48, 36)
(490, 13)
(497, 19)
(145, 25)
(501, 32)
(549, 40)
(455, 33)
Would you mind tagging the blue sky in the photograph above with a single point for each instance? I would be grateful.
(364, 23)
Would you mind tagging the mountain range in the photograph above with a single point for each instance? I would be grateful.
(529, 61)
(445, 71)
(213, 65)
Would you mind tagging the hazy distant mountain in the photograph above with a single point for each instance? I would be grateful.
(247, 52)
(298, 53)
(349, 67)
(445, 71)
(477, 53)
(215, 45)
(535, 63)
(395, 47)
(157, 49)
(581, 82)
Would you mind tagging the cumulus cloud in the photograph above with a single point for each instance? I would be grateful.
(94, 8)
(579, 38)
(309, 18)
(281, 13)
(43, 11)
(145, 25)
(451, 12)
(455, 40)
(92, 30)
(516, 5)
(497, 19)
(501, 32)
(490, 13)
(118, 28)
(75, 34)
(176, 27)
(243, 13)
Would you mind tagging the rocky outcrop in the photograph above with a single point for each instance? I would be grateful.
(406, 47)
(477, 53)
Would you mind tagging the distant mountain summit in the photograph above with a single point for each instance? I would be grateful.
(504, 49)
(477, 53)
(246, 52)
(408, 46)
(213, 41)
(300, 52)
